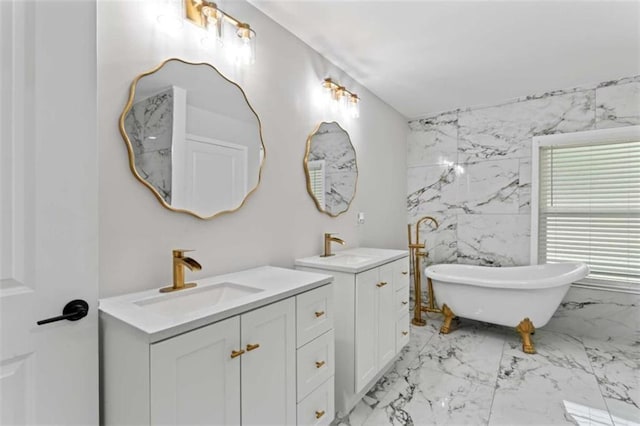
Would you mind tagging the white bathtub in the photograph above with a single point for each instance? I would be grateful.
(506, 295)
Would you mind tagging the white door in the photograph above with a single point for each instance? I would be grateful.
(366, 327)
(194, 379)
(208, 175)
(49, 212)
(268, 336)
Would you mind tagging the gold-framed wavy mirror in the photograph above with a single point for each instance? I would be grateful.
(331, 168)
(193, 138)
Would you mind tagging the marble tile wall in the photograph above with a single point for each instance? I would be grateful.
(471, 168)
(149, 126)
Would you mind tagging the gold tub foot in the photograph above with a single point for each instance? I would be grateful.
(448, 316)
(526, 329)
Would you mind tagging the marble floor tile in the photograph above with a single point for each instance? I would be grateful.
(419, 338)
(531, 391)
(471, 352)
(617, 368)
(436, 398)
(556, 349)
(478, 375)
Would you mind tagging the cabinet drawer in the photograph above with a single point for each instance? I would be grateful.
(403, 332)
(315, 363)
(314, 313)
(401, 273)
(402, 302)
(318, 408)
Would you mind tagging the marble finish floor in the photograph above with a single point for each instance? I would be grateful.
(478, 375)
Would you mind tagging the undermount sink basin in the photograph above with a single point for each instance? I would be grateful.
(185, 301)
(347, 259)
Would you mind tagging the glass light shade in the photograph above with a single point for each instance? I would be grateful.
(354, 106)
(245, 50)
(327, 90)
(213, 20)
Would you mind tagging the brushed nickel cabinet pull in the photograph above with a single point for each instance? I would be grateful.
(319, 364)
(235, 354)
(251, 347)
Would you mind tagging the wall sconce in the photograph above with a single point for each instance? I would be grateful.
(349, 101)
(240, 44)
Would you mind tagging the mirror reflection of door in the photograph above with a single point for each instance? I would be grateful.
(209, 175)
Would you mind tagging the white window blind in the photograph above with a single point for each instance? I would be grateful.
(589, 209)
(316, 180)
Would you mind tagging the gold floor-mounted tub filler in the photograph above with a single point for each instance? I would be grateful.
(418, 251)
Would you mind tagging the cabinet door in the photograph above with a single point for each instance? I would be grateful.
(366, 338)
(269, 370)
(385, 297)
(194, 380)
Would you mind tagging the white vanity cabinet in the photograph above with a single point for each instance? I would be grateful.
(268, 364)
(195, 380)
(371, 299)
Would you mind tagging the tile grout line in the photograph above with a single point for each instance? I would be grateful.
(604, 399)
(495, 387)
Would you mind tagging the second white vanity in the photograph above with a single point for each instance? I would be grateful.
(253, 347)
(371, 299)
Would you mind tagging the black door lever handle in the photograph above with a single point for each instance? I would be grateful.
(73, 311)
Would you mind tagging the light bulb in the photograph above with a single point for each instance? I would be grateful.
(170, 14)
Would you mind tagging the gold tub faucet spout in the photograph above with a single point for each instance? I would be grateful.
(328, 238)
(420, 222)
(179, 263)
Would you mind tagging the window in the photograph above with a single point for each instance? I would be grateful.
(586, 204)
(316, 180)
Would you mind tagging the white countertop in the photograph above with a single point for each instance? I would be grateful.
(274, 283)
(354, 260)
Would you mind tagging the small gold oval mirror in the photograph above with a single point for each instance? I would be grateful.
(193, 138)
(331, 168)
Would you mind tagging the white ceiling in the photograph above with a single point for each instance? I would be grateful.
(423, 57)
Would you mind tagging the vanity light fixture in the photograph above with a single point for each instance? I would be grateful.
(240, 43)
(345, 98)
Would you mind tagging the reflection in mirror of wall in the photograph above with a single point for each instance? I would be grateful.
(331, 169)
(193, 138)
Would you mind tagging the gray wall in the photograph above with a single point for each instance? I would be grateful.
(471, 168)
(279, 222)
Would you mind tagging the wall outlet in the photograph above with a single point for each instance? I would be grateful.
(361, 218)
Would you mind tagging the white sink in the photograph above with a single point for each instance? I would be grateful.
(346, 259)
(186, 301)
(353, 261)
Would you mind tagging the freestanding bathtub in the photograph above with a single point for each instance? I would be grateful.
(518, 296)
